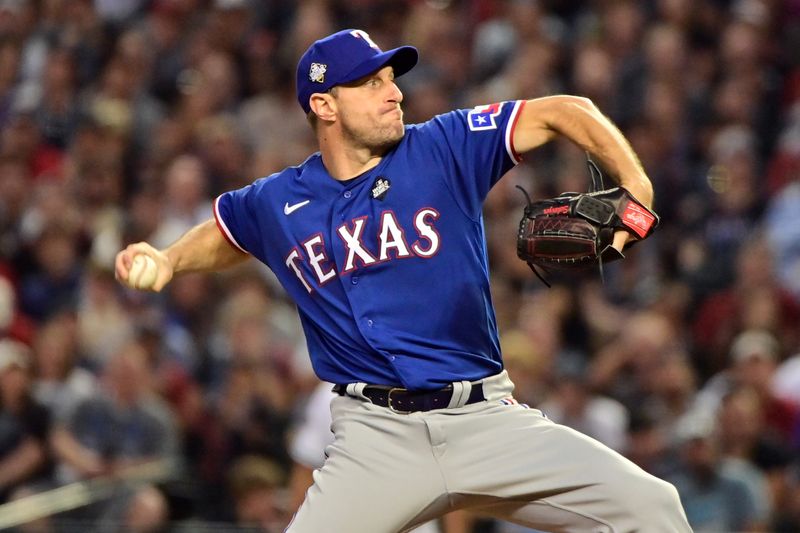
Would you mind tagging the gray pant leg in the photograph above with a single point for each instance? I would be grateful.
(387, 472)
(528, 470)
(379, 475)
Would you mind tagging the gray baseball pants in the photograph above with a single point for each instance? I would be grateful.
(388, 472)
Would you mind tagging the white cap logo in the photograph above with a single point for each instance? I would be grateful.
(361, 34)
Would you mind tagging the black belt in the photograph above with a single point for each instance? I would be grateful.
(405, 401)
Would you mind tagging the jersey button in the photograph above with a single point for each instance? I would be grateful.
(354, 280)
(370, 322)
(348, 194)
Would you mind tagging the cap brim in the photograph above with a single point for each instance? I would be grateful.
(402, 59)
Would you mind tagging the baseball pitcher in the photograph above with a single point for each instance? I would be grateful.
(379, 240)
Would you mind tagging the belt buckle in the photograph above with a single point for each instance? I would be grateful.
(389, 401)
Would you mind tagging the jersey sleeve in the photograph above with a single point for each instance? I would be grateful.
(234, 214)
(477, 149)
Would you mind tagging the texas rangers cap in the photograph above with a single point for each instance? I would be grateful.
(343, 57)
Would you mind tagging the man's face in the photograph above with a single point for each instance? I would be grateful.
(369, 110)
(14, 383)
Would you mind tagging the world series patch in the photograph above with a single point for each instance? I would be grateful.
(317, 72)
(380, 187)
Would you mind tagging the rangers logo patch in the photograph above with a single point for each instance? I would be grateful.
(380, 188)
(317, 72)
(483, 117)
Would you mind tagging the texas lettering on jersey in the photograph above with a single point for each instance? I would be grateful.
(391, 236)
(371, 262)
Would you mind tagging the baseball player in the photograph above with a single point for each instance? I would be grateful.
(378, 238)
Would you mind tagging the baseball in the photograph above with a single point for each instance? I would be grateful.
(143, 272)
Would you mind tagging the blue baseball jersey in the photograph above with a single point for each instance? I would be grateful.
(389, 270)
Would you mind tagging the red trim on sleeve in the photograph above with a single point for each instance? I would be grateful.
(517, 157)
(223, 229)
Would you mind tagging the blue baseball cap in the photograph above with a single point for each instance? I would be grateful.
(343, 57)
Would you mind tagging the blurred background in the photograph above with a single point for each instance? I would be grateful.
(121, 120)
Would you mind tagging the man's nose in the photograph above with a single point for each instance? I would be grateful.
(395, 95)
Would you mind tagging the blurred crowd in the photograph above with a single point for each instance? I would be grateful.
(121, 120)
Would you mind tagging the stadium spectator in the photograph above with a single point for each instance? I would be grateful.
(24, 424)
(754, 300)
(186, 204)
(781, 223)
(59, 384)
(254, 484)
(626, 368)
(116, 432)
(754, 357)
(573, 404)
(714, 498)
(54, 288)
(786, 383)
(102, 322)
(650, 445)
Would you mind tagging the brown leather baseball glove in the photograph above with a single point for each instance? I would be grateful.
(575, 230)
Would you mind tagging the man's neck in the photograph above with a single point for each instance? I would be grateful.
(344, 161)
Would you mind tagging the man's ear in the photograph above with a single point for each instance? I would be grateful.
(324, 106)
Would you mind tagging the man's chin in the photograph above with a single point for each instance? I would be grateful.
(391, 139)
(400, 133)
(395, 139)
